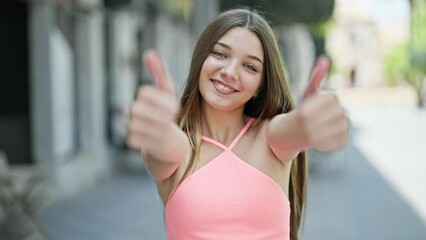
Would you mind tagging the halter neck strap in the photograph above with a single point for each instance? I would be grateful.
(235, 141)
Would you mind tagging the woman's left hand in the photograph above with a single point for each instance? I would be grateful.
(323, 119)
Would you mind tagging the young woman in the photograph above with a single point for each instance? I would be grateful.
(228, 160)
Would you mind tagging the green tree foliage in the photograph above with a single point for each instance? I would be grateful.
(397, 65)
(418, 34)
(287, 11)
(399, 69)
(318, 31)
(418, 48)
(407, 63)
(182, 8)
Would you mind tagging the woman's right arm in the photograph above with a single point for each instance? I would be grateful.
(153, 128)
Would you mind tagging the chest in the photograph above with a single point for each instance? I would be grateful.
(253, 151)
(231, 195)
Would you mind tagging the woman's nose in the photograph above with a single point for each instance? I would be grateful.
(230, 70)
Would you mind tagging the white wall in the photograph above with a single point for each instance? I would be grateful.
(299, 52)
(68, 122)
(175, 43)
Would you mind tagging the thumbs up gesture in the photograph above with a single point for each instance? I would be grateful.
(323, 119)
(152, 127)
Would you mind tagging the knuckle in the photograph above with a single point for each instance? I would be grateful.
(132, 127)
(141, 92)
(347, 126)
(303, 115)
(134, 109)
(333, 97)
(171, 107)
(144, 92)
(175, 108)
(340, 112)
(132, 142)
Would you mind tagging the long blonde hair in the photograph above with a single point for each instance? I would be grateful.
(273, 98)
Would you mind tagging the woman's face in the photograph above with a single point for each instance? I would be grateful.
(232, 72)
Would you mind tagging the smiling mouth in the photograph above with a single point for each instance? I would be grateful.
(222, 87)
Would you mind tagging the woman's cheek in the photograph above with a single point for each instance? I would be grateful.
(211, 62)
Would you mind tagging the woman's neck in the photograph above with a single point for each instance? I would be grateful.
(222, 126)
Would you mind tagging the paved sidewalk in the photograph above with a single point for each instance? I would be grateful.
(356, 203)
(124, 208)
(393, 138)
(394, 142)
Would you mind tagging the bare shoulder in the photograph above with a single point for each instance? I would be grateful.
(260, 129)
(260, 126)
(258, 136)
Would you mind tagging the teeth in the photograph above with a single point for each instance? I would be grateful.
(222, 87)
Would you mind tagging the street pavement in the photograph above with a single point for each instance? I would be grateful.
(124, 208)
(392, 136)
(372, 189)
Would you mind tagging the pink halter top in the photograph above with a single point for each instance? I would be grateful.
(228, 199)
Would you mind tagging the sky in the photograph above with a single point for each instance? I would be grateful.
(385, 12)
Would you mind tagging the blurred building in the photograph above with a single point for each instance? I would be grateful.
(362, 33)
(70, 71)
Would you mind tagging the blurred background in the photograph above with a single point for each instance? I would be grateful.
(70, 70)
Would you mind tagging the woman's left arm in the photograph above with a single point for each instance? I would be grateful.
(319, 123)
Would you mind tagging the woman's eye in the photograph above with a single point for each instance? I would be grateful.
(251, 68)
(219, 54)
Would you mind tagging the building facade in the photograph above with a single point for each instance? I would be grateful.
(71, 71)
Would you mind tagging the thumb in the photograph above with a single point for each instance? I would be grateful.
(320, 70)
(158, 71)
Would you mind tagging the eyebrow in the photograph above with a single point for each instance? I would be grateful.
(228, 47)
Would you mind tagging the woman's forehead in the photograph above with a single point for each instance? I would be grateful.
(241, 38)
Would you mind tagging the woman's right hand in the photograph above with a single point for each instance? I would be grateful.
(152, 126)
